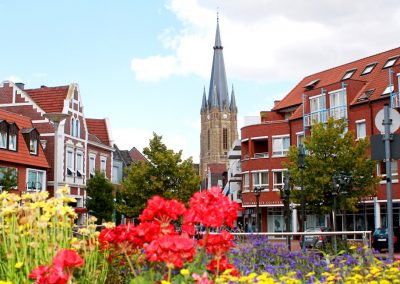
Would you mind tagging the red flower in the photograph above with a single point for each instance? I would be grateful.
(218, 244)
(40, 274)
(223, 265)
(68, 258)
(164, 211)
(171, 249)
(211, 208)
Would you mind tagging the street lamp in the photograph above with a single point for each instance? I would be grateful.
(56, 118)
(285, 196)
(257, 191)
(301, 164)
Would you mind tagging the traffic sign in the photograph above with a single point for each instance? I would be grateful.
(394, 116)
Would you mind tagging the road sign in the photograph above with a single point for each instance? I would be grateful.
(394, 116)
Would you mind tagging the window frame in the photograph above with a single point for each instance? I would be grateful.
(358, 124)
(92, 171)
(103, 159)
(69, 166)
(260, 173)
(16, 174)
(80, 173)
(282, 152)
(34, 143)
(4, 139)
(42, 182)
(395, 173)
(388, 62)
(349, 74)
(246, 181)
(366, 71)
(274, 183)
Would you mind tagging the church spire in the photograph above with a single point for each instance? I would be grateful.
(218, 91)
(204, 102)
(233, 106)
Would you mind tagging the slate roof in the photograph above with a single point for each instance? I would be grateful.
(22, 155)
(50, 99)
(98, 128)
(378, 78)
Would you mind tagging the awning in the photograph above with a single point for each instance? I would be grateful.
(80, 210)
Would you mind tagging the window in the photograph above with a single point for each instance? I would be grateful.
(300, 138)
(366, 95)
(12, 142)
(36, 180)
(225, 138)
(368, 69)
(390, 62)
(317, 107)
(92, 164)
(311, 85)
(117, 172)
(79, 164)
(361, 129)
(348, 74)
(70, 162)
(381, 171)
(72, 127)
(208, 140)
(337, 102)
(278, 180)
(103, 164)
(77, 128)
(3, 139)
(33, 146)
(387, 90)
(246, 183)
(280, 145)
(8, 176)
(260, 179)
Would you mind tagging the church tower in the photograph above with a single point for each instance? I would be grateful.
(218, 114)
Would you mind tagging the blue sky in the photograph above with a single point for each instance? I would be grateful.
(143, 64)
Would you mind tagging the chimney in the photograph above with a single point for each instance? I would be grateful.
(20, 85)
(276, 102)
(43, 86)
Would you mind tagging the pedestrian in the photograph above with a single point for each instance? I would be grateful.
(249, 227)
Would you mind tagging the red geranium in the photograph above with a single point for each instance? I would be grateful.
(162, 210)
(223, 264)
(218, 244)
(68, 258)
(171, 249)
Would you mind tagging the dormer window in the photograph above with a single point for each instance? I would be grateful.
(31, 136)
(311, 85)
(390, 62)
(387, 90)
(366, 95)
(368, 69)
(3, 134)
(12, 136)
(348, 74)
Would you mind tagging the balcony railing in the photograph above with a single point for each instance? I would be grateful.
(261, 155)
(323, 115)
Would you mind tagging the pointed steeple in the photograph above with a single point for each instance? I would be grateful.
(215, 99)
(204, 102)
(218, 83)
(233, 106)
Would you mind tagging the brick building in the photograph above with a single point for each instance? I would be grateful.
(354, 91)
(81, 141)
(21, 153)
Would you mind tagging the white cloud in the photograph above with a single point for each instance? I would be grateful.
(268, 40)
(13, 78)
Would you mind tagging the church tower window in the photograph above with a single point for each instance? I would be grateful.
(225, 138)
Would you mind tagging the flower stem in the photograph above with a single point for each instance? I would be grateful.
(130, 264)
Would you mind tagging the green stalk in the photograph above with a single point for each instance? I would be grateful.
(130, 264)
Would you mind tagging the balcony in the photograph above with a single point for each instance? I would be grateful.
(323, 115)
(261, 155)
(236, 169)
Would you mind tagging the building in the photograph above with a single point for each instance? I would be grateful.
(21, 153)
(355, 91)
(124, 159)
(218, 118)
(83, 144)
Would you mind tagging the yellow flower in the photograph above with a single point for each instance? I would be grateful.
(309, 274)
(5, 282)
(165, 282)
(18, 265)
(185, 272)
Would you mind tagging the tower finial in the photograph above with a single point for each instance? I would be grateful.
(217, 14)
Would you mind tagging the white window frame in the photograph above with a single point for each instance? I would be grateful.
(12, 142)
(337, 103)
(77, 128)
(246, 181)
(42, 182)
(317, 101)
(103, 159)
(387, 90)
(276, 186)
(298, 135)
(265, 186)
(72, 127)
(92, 170)
(358, 124)
(282, 151)
(368, 69)
(80, 173)
(390, 62)
(33, 146)
(69, 162)
(395, 172)
(3, 139)
(349, 74)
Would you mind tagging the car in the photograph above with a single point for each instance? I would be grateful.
(316, 241)
(380, 239)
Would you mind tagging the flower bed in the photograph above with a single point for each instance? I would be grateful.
(37, 244)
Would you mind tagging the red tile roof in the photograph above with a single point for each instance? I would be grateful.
(50, 99)
(378, 78)
(22, 155)
(217, 168)
(98, 127)
(136, 155)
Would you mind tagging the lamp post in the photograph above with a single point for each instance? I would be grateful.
(301, 154)
(257, 191)
(56, 118)
(285, 196)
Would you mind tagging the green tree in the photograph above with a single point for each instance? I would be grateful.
(8, 178)
(100, 201)
(332, 150)
(165, 174)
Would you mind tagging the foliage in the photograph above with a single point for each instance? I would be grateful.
(165, 174)
(33, 229)
(100, 201)
(330, 149)
(9, 178)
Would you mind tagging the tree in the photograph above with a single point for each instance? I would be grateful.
(165, 174)
(100, 200)
(8, 178)
(332, 151)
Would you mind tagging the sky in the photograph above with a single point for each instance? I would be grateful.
(144, 64)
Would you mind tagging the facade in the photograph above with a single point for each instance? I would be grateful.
(354, 91)
(76, 144)
(21, 153)
(218, 117)
(123, 159)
